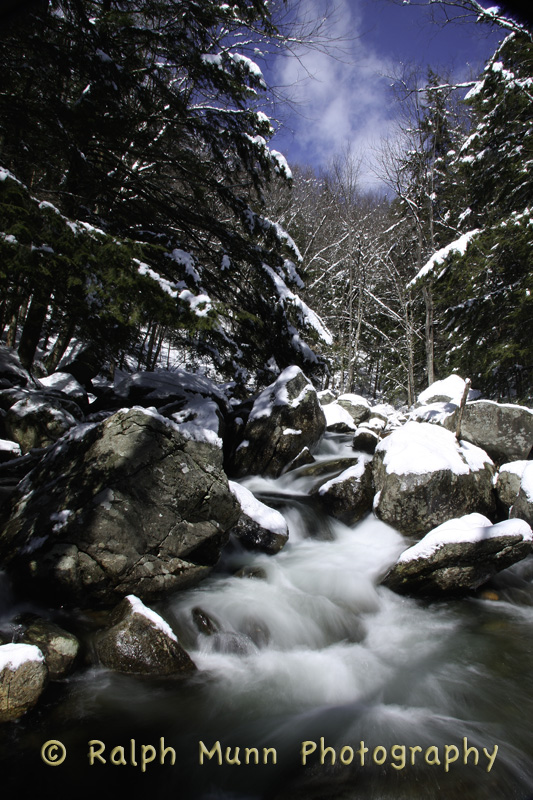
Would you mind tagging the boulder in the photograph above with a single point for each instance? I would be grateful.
(449, 390)
(326, 396)
(285, 418)
(523, 505)
(23, 677)
(358, 407)
(503, 430)
(348, 497)
(59, 648)
(424, 477)
(128, 505)
(12, 373)
(365, 439)
(459, 556)
(508, 482)
(67, 384)
(139, 641)
(338, 419)
(259, 527)
(303, 459)
(37, 421)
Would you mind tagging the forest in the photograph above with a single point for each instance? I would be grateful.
(146, 221)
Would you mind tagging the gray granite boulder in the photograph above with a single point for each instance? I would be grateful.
(348, 497)
(358, 407)
(128, 505)
(139, 641)
(424, 477)
(59, 648)
(523, 506)
(23, 677)
(503, 430)
(38, 420)
(259, 527)
(285, 418)
(459, 556)
(508, 482)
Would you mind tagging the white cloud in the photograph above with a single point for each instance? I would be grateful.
(339, 100)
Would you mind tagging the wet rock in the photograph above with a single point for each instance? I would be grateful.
(503, 430)
(259, 527)
(256, 630)
(232, 643)
(303, 458)
(128, 505)
(356, 406)
(59, 648)
(348, 497)
(139, 641)
(459, 556)
(285, 418)
(204, 622)
(251, 572)
(23, 676)
(423, 477)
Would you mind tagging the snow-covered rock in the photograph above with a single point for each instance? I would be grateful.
(357, 406)
(23, 676)
(37, 422)
(12, 373)
(259, 526)
(125, 505)
(348, 497)
(285, 418)
(523, 505)
(365, 439)
(326, 396)
(448, 390)
(504, 430)
(65, 383)
(9, 450)
(138, 640)
(338, 418)
(459, 556)
(424, 477)
(508, 482)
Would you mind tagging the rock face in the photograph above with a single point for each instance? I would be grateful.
(58, 647)
(139, 641)
(504, 431)
(523, 505)
(259, 527)
(23, 677)
(285, 418)
(424, 477)
(459, 556)
(348, 497)
(128, 505)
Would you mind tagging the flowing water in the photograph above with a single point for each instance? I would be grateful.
(309, 649)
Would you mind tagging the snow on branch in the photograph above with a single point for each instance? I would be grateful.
(437, 259)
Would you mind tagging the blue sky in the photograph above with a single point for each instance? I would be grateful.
(347, 100)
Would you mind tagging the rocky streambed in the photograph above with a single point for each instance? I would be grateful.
(176, 619)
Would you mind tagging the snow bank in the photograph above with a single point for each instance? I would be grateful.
(419, 447)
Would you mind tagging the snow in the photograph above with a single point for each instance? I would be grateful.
(336, 414)
(470, 528)
(199, 304)
(419, 447)
(281, 163)
(189, 430)
(457, 247)
(60, 518)
(354, 399)
(64, 382)
(514, 467)
(450, 389)
(10, 447)
(526, 484)
(164, 383)
(13, 656)
(138, 607)
(167, 286)
(186, 260)
(356, 472)
(266, 517)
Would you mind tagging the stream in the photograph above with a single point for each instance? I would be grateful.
(307, 649)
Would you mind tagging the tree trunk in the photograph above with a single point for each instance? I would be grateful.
(33, 325)
(430, 346)
(60, 345)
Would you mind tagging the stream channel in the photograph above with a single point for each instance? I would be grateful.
(311, 650)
